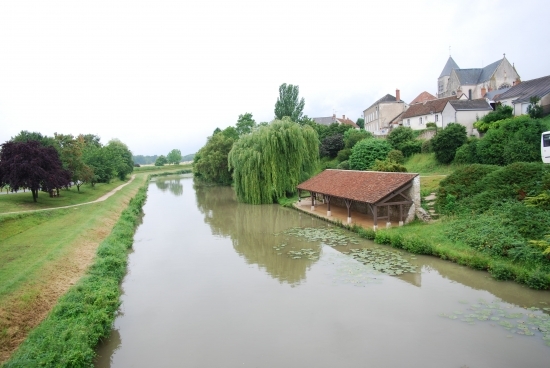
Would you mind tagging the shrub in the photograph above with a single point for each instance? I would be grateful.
(487, 122)
(366, 152)
(467, 153)
(396, 156)
(330, 145)
(501, 271)
(382, 237)
(411, 147)
(399, 136)
(344, 165)
(388, 166)
(447, 141)
(426, 146)
(343, 155)
(538, 280)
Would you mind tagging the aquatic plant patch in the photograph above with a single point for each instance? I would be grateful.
(330, 236)
(385, 261)
(515, 320)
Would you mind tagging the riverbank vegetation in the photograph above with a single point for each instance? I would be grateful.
(41, 255)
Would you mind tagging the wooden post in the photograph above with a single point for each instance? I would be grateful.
(400, 215)
(299, 195)
(312, 201)
(375, 216)
(328, 206)
(348, 205)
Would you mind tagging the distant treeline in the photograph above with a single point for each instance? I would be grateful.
(150, 160)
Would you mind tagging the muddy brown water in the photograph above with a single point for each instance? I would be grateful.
(207, 287)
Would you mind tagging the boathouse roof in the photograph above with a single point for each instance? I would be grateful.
(362, 186)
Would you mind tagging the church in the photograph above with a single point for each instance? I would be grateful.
(474, 83)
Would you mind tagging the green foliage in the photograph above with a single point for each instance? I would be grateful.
(272, 160)
(331, 145)
(85, 314)
(367, 151)
(174, 157)
(120, 157)
(501, 271)
(245, 124)
(344, 165)
(361, 123)
(388, 166)
(467, 153)
(288, 103)
(98, 159)
(210, 163)
(352, 136)
(324, 131)
(161, 161)
(491, 120)
(396, 156)
(426, 146)
(541, 200)
(399, 136)
(410, 148)
(513, 140)
(538, 280)
(230, 132)
(343, 155)
(534, 109)
(446, 142)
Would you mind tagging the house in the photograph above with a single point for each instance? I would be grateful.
(465, 112)
(419, 114)
(380, 115)
(334, 120)
(518, 96)
(423, 97)
(476, 82)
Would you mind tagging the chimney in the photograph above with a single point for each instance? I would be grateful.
(483, 92)
(397, 95)
(333, 118)
(344, 117)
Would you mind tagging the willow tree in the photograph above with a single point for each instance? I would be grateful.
(272, 160)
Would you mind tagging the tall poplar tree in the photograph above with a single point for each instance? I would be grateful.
(289, 104)
(272, 160)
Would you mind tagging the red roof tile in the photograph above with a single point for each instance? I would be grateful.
(347, 122)
(435, 106)
(423, 97)
(362, 186)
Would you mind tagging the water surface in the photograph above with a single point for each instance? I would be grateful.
(209, 285)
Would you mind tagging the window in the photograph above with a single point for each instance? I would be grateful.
(408, 122)
(420, 120)
(436, 118)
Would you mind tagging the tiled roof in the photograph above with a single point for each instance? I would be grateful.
(361, 186)
(423, 97)
(386, 98)
(522, 92)
(325, 120)
(488, 71)
(478, 105)
(427, 107)
(477, 75)
(449, 66)
(347, 122)
(496, 93)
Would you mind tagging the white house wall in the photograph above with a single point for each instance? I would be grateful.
(414, 121)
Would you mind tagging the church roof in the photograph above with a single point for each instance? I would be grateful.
(449, 66)
(523, 91)
(477, 75)
(423, 97)
(325, 120)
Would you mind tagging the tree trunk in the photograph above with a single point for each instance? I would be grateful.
(34, 194)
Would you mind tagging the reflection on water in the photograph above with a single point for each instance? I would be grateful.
(171, 184)
(210, 284)
(251, 229)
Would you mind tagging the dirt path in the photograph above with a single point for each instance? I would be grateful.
(100, 199)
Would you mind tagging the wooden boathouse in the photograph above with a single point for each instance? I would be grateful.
(378, 195)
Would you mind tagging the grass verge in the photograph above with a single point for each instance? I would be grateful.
(83, 315)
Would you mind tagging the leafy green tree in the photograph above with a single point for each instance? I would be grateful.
(98, 159)
(534, 109)
(230, 132)
(361, 123)
(245, 124)
(366, 152)
(210, 163)
(388, 166)
(396, 156)
(400, 136)
(121, 157)
(70, 151)
(488, 121)
(447, 142)
(288, 103)
(331, 145)
(271, 161)
(25, 136)
(352, 136)
(174, 157)
(161, 161)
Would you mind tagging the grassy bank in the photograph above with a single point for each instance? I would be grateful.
(22, 201)
(83, 315)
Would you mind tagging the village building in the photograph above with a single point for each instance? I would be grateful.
(518, 97)
(465, 112)
(386, 111)
(334, 120)
(366, 196)
(476, 82)
(430, 111)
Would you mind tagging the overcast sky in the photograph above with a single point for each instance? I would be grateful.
(160, 75)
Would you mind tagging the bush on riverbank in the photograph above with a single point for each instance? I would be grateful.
(85, 314)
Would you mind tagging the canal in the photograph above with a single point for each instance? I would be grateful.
(216, 283)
